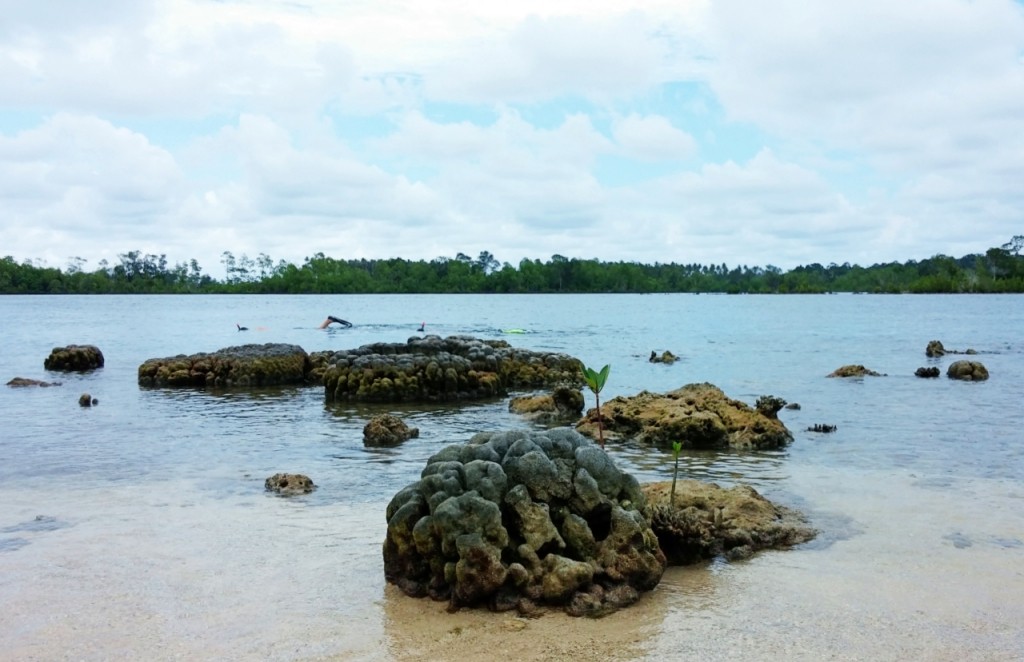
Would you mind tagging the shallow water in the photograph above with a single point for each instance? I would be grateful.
(139, 528)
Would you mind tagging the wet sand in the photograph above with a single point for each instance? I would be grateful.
(902, 570)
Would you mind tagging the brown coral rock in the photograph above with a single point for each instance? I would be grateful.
(697, 415)
(74, 358)
(387, 430)
(967, 371)
(708, 521)
(854, 370)
(289, 484)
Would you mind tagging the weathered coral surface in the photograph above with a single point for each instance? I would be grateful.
(429, 369)
(854, 370)
(387, 430)
(967, 371)
(289, 484)
(516, 519)
(564, 404)
(74, 358)
(271, 364)
(708, 521)
(697, 415)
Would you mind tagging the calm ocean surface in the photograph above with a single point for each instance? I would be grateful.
(139, 528)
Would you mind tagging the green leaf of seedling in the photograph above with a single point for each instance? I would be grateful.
(677, 446)
(596, 380)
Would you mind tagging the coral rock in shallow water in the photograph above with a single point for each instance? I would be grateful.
(289, 484)
(697, 415)
(515, 519)
(432, 369)
(74, 358)
(708, 521)
(967, 371)
(387, 430)
(854, 370)
(271, 364)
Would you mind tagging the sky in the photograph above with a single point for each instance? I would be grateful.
(691, 131)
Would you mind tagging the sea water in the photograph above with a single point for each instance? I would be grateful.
(139, 528)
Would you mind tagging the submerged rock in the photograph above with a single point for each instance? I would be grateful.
(387, 430)
(927, 373)
(967, 371)
(697, 415)
(431, 369)
(665, 357)
(74, 358)
(271, 364)
(855, 370)
(20, 382)
(934, 348)
(86, 400)
(516, 519)
(709, 521)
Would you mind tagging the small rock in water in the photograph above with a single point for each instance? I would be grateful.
(289, 484)
(86, 400)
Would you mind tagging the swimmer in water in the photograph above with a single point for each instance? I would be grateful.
(241, 328)
(423, 327)
(331, 319)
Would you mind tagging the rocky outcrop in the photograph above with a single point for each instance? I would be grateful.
(74, 358)
(563, 405)
(967, 371)
(271, 364)
(935, 349)
(289, 484)
(769, 405)
(854, 371)
(387, 430)
(927, 373)
(20, 382)
(709, 521)
(697, 415)
(517, 519)
(431, 369)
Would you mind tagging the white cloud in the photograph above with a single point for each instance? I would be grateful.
(652, 138)
(847, 131)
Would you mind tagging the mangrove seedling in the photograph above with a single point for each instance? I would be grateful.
(596, 380)
(676, 447)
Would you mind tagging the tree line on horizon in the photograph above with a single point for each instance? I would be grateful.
(999, 270)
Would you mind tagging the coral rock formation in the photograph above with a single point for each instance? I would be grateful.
(697, 415)
(432, 369)
(74, 358)
(517, 519)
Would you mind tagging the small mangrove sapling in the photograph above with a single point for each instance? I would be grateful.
(676, 447)
(596, 380)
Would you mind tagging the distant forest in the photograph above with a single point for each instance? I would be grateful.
(998, 270)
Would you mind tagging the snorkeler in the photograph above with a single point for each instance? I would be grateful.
(331, 319)
(423, 327)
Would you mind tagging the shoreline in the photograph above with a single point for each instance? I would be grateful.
(157, 571)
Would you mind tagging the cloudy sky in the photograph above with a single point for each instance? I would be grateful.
(710, 131)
